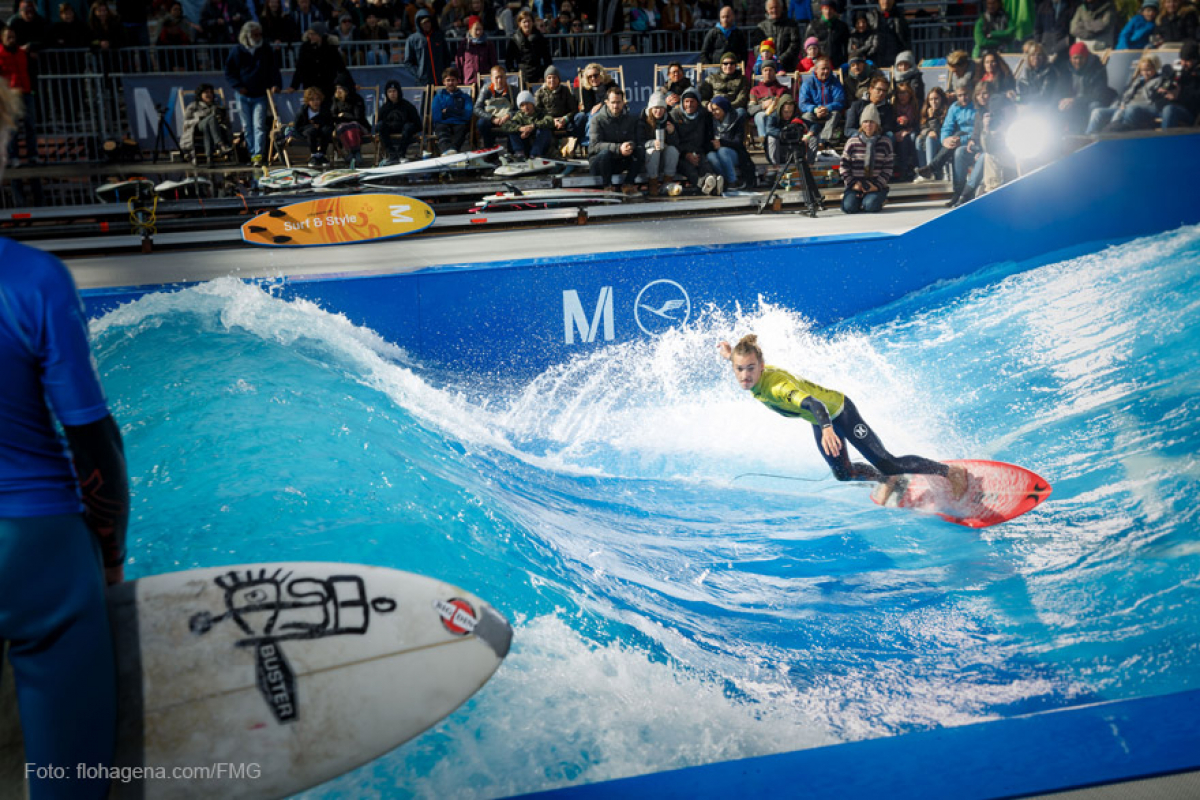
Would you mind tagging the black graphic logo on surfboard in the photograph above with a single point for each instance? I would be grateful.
(269, 608)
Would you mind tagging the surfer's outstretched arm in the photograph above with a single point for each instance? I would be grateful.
(831, 443)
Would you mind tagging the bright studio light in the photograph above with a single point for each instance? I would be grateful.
(1029, 136)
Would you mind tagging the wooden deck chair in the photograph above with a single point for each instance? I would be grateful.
(660, 76)
(936, 76)
(515, 80)
(419, 97)
(370, 96)
(616, 73)
(515, 83)
(430, 143)
(184, 97)
(1166, 54)
(703, 71)
(1119, 65)
(283, 109)
(1014, 61)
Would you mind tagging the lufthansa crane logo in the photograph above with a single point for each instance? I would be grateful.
(660, 306)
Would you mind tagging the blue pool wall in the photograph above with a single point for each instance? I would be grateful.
(515, 318)
(1042, 753)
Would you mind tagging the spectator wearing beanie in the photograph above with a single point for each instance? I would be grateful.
(1086, 85)
(866, 166)
(812, 49)
(729, 82)
(476, 56)
(529, 133)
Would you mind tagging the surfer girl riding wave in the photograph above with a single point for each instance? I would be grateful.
(834, 419)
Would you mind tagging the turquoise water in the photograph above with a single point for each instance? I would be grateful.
(670, 609)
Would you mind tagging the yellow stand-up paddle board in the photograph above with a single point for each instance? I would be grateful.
(338, 220)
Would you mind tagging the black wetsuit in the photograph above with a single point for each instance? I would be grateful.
(785, 394)
(849, 425)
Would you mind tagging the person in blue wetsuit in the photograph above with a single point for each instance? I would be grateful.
(62, 519)
(834, 419)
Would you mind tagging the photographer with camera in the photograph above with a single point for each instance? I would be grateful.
(1182, 89)
(785, 130)
(866, 166)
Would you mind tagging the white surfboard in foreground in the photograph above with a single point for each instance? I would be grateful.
(289, 673)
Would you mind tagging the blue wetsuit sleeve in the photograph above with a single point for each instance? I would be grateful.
(815, 407)
(68, 374)
(99, 459)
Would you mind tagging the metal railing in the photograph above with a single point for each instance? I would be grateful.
(166, 59)
(936, 27)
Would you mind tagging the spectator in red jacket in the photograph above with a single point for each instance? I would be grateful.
(14, 73)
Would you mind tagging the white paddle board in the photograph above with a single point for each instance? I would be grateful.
(516, 168)
(287, 179)
(194, 185)
(546, 198)
(287, 674)
(335, 177)
(432, 164)
(123, 191)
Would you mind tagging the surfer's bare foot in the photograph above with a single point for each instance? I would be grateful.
(887, 488)
(958, 480)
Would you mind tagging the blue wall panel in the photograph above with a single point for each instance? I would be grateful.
(1045, 752)
(388, 306)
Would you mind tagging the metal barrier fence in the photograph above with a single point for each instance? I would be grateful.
(937, 26)
(75, 114)
(211, 57)
(934, 36)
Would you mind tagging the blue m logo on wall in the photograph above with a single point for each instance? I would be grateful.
(658, 307)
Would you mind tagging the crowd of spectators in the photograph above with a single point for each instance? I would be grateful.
(853, 84)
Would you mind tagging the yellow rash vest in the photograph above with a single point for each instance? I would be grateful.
(783, 393)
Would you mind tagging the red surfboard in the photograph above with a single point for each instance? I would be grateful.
(996, 492)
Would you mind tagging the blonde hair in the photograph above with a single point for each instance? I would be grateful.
(1151, 60)
(10, 108)
(604, 76)
(748, 345)
(314, 92)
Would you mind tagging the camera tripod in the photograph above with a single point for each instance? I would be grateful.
(797, 159)
(164, 130)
